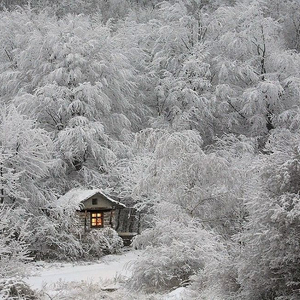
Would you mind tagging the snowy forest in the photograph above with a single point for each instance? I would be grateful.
(186, 110)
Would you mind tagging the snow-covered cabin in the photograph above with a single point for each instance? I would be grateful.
(94, 208)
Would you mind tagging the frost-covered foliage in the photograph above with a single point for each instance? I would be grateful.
(16, 289)
(187, 109)
(176, 248)
(269, 262)
(14, 252)
(173, 168)
(216, 281)
(187, 191)
(26, 154)
(56, 234)
(195, 197)
(97, 243)
(263, 260)
(27, 161)
(81, 87)
(179, 68)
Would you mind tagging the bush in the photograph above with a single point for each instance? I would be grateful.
(55, 236)
(173, 253)
(102, 241)
(58, 235)
(16, 289)
(13, 247)
(269, 265)
(217, 280)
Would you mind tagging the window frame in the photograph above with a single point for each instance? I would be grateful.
(101, 218)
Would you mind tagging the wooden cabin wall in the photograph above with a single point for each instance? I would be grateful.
(107, 219)
(81, 216)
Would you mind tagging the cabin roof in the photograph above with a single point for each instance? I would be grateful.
(76, 196)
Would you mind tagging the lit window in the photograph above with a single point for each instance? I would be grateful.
(96, 219)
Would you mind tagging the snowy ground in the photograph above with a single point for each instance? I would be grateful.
(108, 268)
(60, 281)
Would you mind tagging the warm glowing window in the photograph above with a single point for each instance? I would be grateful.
(96, 219)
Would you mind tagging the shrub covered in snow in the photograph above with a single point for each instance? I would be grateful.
(16, 289)
(13, 247)
(63, 240)
(269, 265)
(217, 280)
(56, 235)
(13, 254)
(173, 253)
(265, 262)
(103, 241)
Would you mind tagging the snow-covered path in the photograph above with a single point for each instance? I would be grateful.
(109, 267)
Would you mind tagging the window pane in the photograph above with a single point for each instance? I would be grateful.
(96, 219)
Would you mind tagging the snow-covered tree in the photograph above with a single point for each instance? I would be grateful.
(14, 250)
(186, 109)
(172, 168)
(73, 78)
(255, 81)
(175, 249)
(180, 63)
(26, 155)
(268, 266)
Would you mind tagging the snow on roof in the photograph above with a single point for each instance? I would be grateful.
(75, 196)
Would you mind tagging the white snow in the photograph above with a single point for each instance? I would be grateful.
(57, 278)
(109, 267)
(178, 294)
(78, 195)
